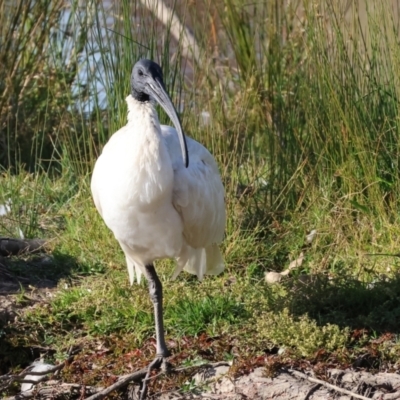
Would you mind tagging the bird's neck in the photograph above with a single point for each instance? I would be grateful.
(140, 112)
(143, 118)
(145, 131)
(149, 156)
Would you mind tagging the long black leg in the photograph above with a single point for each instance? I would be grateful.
(156, 296)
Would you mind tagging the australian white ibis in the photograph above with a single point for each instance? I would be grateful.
(157, 204)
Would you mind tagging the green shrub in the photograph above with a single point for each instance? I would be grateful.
(303, 336)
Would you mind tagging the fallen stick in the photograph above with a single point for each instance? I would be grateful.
(135, 376)
(328, 385)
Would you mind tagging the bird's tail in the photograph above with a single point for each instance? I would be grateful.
(133, 271)
(201, 261)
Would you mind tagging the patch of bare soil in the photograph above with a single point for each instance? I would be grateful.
(291, 385)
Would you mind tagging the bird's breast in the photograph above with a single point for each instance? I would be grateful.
(132, 185)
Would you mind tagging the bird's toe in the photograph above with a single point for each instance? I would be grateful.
(160, 362)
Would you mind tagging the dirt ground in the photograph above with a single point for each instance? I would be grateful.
(287, 386)
(212, 382)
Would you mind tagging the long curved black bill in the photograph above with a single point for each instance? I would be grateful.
(158, 91)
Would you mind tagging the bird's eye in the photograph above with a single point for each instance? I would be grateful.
(140, 72)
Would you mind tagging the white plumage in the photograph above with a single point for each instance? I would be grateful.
(156, 207)
(157, 204)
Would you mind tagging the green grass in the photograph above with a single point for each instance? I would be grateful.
(305, 120)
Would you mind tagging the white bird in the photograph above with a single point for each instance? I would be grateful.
(156, 203)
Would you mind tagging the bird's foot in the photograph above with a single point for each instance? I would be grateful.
(159, 361)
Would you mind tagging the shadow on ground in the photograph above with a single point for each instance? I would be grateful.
(40, 272)
(345, 301)
(24, 282)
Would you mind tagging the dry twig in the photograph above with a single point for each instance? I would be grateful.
(326, 384)
(123, 381)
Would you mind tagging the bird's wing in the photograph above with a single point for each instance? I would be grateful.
(100, 171)
(198, 192)
(95, 192)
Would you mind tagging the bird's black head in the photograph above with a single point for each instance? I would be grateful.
(144, 74)
(147, 81)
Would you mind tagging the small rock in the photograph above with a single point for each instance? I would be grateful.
(310, 237)
(39, 366)
(211, 374)
(272, 277)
